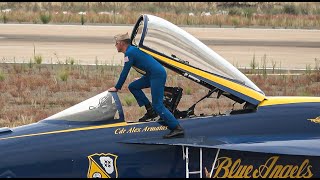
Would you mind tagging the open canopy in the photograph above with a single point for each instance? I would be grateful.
(183, 53)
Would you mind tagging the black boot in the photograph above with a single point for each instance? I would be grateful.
(151, 114)
(175, 133)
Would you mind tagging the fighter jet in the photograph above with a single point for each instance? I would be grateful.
(268, 136)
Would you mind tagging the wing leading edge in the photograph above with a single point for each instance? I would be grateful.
(306, 147)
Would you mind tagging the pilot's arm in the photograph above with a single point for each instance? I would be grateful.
(124, 73)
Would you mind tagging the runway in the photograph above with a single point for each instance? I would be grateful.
(288, 48)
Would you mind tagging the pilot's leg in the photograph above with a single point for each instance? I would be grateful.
(157, 92)
(136, 87)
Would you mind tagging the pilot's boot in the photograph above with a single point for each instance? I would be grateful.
(149, 115)
(175, 133)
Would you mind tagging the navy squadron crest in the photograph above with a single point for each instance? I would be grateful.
(102, 166)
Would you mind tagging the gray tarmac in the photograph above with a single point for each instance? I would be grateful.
(287, 48)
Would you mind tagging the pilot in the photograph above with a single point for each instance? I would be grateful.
(154, 76)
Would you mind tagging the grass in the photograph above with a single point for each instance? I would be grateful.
(2, 76)
(63, 75)
(45, 17)
(129, 100)
(29, 95)
(240, 14)
(38, 59)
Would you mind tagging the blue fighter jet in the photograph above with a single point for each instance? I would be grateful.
(267, 137)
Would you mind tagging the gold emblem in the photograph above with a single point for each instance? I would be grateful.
(316, 120)
(102, 166)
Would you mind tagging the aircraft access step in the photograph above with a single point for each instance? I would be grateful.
(185, 155)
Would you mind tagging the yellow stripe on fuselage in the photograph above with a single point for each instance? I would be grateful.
(288, 100)
(70, 130)
(229, 84)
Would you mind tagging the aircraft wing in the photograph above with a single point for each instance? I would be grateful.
(310, 147)
(306, 147)
(190, 141)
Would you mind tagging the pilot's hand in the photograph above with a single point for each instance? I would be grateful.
(113, 89)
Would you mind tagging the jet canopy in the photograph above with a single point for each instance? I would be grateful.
(102, 108)
(180, 51)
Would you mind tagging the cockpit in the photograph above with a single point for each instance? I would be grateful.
(180, 52)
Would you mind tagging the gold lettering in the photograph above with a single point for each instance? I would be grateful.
(276, 171)
(145, 129)
(226, 168)
(120, 131)
(260, 170)
(256, 174)
(248, 171)
(164, 127)
(157, 128)
(153, 129)
(130, 130)
(302, 168)
(116, 131)
(223, 166)
(234, 167)
(293, 170)
(309, 173)
(134, 130)
(285, 171)
(240, 172)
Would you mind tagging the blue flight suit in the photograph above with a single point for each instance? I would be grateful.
(154, 76)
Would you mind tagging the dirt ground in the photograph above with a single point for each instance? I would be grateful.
(287, 48)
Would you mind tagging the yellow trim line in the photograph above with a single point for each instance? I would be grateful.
(71, 130)
(288, 100)
(229, 84)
